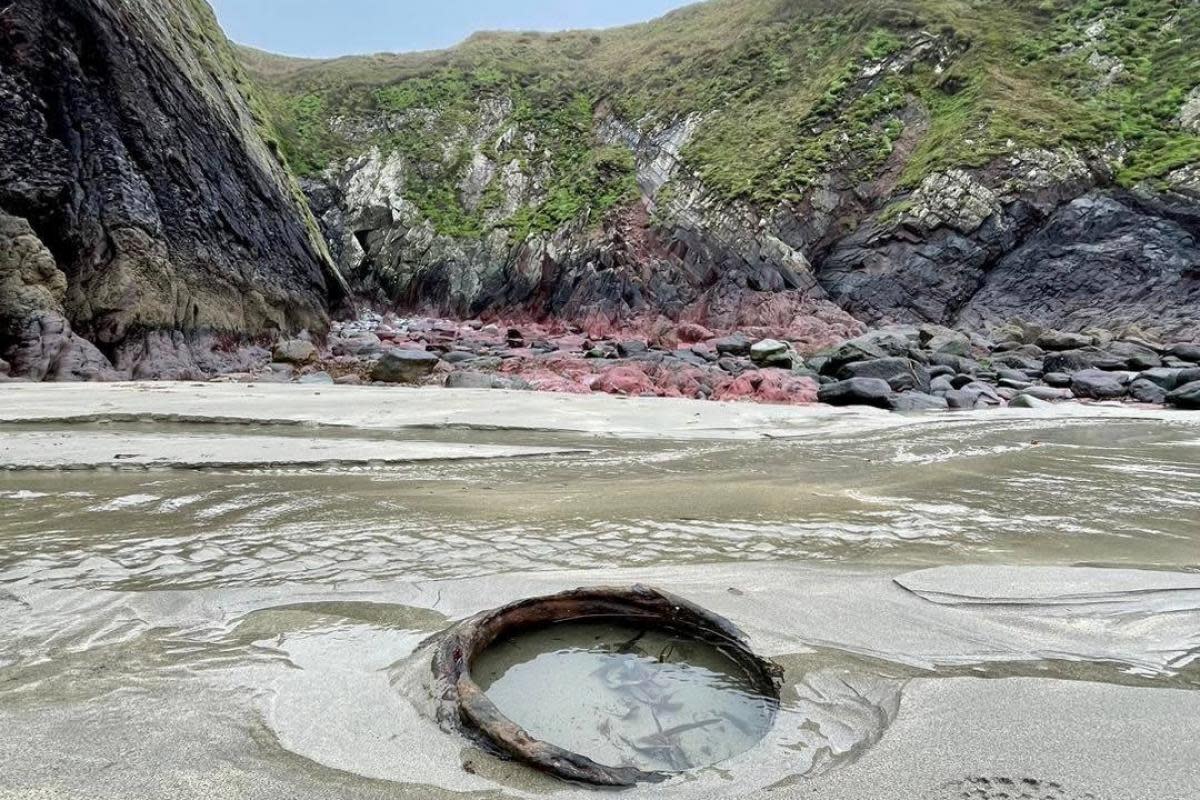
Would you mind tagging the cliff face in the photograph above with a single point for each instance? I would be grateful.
(142, 213)
(800, 165)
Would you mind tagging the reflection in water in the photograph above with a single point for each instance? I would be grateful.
(624, 696)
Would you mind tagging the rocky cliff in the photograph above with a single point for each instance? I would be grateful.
(796, 165)
(147, 224)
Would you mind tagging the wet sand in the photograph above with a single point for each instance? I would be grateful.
(82, 450)
(976, 605)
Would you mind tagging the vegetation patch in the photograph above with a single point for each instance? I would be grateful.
(789, 91)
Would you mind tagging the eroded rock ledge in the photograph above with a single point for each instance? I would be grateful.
(138, 196)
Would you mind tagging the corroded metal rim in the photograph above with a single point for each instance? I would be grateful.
(466, 707)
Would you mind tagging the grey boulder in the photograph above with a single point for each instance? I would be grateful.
(918, 401)
(1047, 393)
(1059, 380)
(1187, 376)
(1019, 362)
(364, 345)
(772, 353)
(1027, 401)
(965, 399)
(459, 356)
(1125, 355)
(1145, 391)
(294, 351)
(631, 348)
(1094, 384)
(482, 380)
(735, 345)
(1058, 341)
(901, 374)
(404, 366)
(988, 395)
(1164, 377)
(872, 346)
(857, 392)
(1186, 396)
(1185, 352)
(1071, 360)
(939, 339)
(941, 384)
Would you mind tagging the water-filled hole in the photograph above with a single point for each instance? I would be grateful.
(626, 696)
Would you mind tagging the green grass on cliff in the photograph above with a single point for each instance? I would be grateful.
(788, 90)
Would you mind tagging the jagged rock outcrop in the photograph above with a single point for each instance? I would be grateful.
(927, 262)
(41, 343)
(133, 169)
(710, 265)
(1189, 115)
(1105, 260)
(640, 177)
(1031, 236)
(581, 176)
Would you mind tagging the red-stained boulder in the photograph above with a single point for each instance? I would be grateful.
(627, 380)
(691, 333)
(769, 386)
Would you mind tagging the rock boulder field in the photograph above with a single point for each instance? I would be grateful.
(889, 369)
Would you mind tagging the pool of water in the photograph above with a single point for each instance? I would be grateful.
(627, 697)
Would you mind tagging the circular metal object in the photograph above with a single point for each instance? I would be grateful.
(466, 707)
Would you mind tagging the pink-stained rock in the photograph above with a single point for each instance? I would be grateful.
(669, 369)
(556, 372)
(692, 333)
(628, 380)
(769, 386)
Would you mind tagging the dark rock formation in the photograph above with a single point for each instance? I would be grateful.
(1098, 385)
(901, 374)
(1107, 260)
(138, 197)
(1035, 235)
(41, 343)
(1104, 260)
(1186, 396)
(857, 392)
(625, 269)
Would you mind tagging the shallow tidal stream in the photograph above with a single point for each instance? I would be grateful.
(956, 603)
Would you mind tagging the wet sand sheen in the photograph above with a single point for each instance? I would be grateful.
(962, 603)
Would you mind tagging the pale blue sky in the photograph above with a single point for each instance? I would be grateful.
(324, 28)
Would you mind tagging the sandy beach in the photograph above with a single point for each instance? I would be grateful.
(231, 590)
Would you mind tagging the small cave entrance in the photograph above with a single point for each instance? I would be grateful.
(363, 238)
(367, 265)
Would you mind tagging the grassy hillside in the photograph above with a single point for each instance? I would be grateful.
(788, 90)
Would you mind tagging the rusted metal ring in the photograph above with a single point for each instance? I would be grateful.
(464, 705)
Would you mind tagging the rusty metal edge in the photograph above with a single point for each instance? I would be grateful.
(465, 707)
